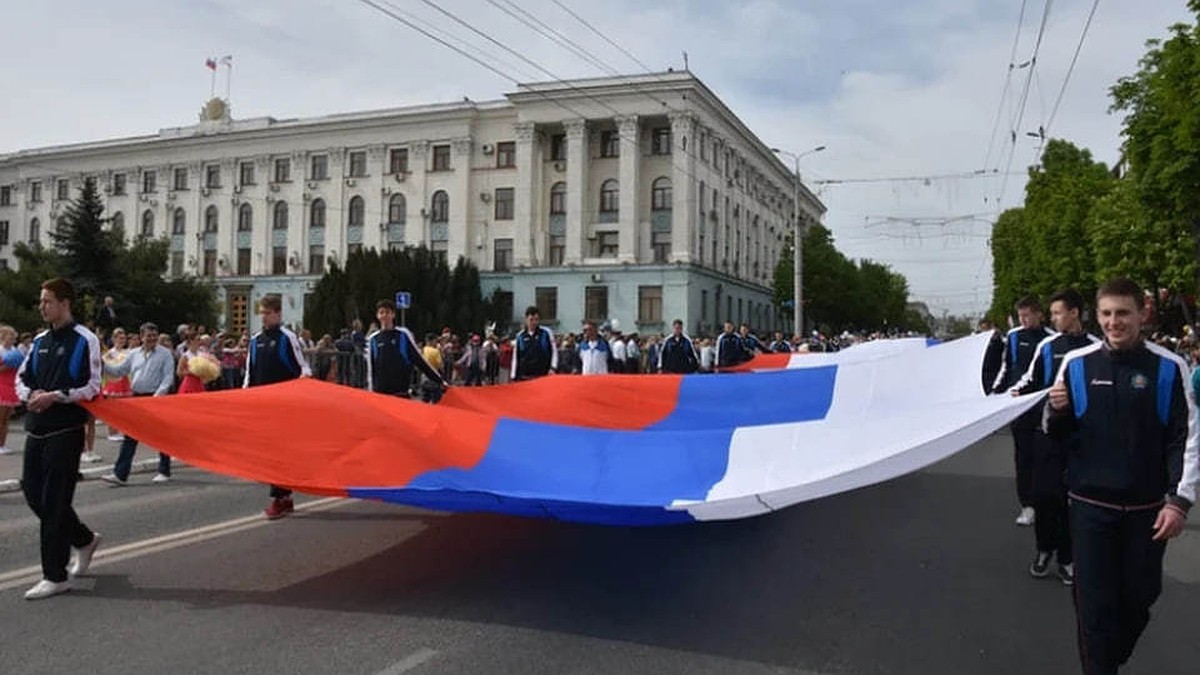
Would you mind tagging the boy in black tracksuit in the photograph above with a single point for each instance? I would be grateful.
(1049, 489)
(730, 349)
(677, 353)
(1131, 477)
(275, 356)
(534, 351)
(1020, 344)
(62, 369)
(392, 353)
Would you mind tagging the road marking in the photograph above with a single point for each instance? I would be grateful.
(166, 542)
(409, 662)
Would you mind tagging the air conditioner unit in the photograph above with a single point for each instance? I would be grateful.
(144, 197)
(204, 192)
(591, 233)
(560, 166)
(350, 182)
(312, 185)
(485, 197)
(385, 190)
(171, 196)
(271, 198)
(274, 187)
(488, 148)
(597, 277)
(307, 196)
(237, 189)
(399, 177)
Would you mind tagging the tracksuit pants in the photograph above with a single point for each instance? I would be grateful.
(1024, 430)
(1118, 576)
(48, 477)
(1051, 528)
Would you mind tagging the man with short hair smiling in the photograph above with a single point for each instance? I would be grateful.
(151, 371)
(1131, 476)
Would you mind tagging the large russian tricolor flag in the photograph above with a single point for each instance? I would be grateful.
(619, 449)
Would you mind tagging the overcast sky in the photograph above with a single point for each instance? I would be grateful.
(892, 88)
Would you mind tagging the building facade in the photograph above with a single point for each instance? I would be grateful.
(640, 199)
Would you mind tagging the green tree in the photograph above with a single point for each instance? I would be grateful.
(1013, 271)
(89, 251)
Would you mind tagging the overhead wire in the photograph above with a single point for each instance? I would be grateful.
(1071, 69)
(1020, 114)
(1012, 58)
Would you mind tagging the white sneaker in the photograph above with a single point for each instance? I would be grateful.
(116, 437)
(46, 588)
(160, 478)
(83, 557)
(5, 451)
(111, 479)
(90, 457)
(1027, 517)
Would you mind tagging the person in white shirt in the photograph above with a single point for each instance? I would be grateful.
(617, 345)
(593, 351)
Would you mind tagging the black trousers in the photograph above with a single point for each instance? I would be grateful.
(1024, 430)
(1051, 528)
(279, 492)
(1118, 576)
(48, 479)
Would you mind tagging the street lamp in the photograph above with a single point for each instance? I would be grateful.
(797, 241)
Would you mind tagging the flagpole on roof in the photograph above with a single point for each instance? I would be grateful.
(211, 64)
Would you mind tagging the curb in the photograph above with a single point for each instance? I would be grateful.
(94, 473)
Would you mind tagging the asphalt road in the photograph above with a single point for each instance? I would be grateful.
(926, 574)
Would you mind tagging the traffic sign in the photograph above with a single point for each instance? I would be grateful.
(403, 299)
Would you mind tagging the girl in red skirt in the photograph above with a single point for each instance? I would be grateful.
(10, 362)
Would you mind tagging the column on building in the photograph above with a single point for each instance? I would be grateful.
(578, 213)
(262, 200)
(683, 187)
(628, 217)
(336, 202)
(418, 164)
(375, 199)
(524, 209)
(227, 218)
(463, 230)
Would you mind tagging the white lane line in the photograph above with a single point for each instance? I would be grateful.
(166, 542)
(409, 662)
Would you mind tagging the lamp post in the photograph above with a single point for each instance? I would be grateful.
(797, 241)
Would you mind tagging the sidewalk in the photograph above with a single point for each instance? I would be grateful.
(145, 461)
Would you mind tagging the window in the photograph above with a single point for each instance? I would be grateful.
(280, 221)
(246, 173)
(179, 221)
(320, 167)
(278, 260)
(118, 185)
(212, 176)
(558, 199)
(35, 231)
(506, 155)
(317, 213)
(660, 244)
(440, 207)
(397, 209)
(149, 181)
(660, 141)
(5, 195)
(703, 148)
(209, 264)
(660, 194)
(356, 215)
(243, 261)
(595, 303)
(558, 147)
(610, 193)
(608, 245)
(211, 219)
(546, 300)
(3, 264)
(649, 304)
(398, 160)
(441, 158)
(245, 218)
(176, 263)
(3, 233)
(558, 249)
(504, 204)
(440, 249)
(502, 262)
(283, 170)
(118, 222)
(180, 180)
(358, 164)
(35, 191)
(63, 189)
(610, 144)
(316, 258)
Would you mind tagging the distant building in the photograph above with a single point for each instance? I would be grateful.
(639, 198)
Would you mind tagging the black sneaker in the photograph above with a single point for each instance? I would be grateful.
(1041, 565)
(1066, 573)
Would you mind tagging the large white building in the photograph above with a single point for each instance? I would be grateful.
(639, 198)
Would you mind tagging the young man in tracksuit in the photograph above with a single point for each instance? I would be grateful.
(62, 369)
(730, 350)
(1019, 347)
(1131, 476)
(1049, 489)
(534, 351)
(392, 353)
(275, 356)
(678, 354)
